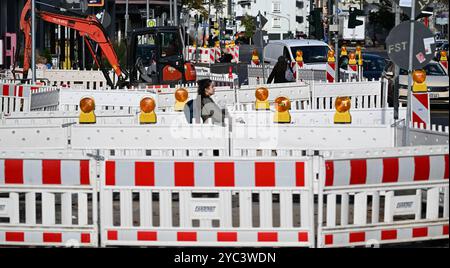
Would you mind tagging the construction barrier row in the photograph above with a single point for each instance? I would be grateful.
(366, 199)
(211, 55)
(369, 94)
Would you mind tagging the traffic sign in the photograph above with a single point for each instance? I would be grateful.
(262, 20)
(397, 44)
(151, 23)
(421, 5)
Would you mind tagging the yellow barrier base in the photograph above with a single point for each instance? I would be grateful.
(282, 117)
(87, 118)
(147, 118)
(342, 118)
(262, 105)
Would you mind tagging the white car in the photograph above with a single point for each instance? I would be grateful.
(314, 52)
(437, 82)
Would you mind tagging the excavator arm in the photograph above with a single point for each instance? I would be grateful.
(88, 27)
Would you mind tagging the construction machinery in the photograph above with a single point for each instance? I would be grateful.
(154, 55)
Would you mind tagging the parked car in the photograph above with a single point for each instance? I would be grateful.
(437, 82)
(314, 52)
(373, 65)
(437, 53)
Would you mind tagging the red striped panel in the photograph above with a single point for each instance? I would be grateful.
(52, 237)
(358, 171)
(420, 232)
(112, 235)
(227, 236)
(418, 120)
(267, 237)
(357, 237)
(264, 174)
(422, 98)
(303, 237)
(329, 239)
(184, 174)
(224, 174)
(390, 170)
(5, 90)
(13, 171)
(85, 238)
(110, 176)
(187, 236)
(84, 173)
(14, 236)
(144, 173)
(421, 168)
(446, 167)
(445, 229)
(51, 171)
(329, 173)
(18, 91)
(388, 234)
(147, 236)
(300, 174)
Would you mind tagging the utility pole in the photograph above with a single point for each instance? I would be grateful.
(126, 19)
(33, 41)
(175, 10)
(148, 11)
(410, 67)
(171, 13)
(396, 69)
(336, 40)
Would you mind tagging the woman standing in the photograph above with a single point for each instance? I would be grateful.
(204, 107)
(281, 73)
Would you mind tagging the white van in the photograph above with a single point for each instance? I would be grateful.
(314, 52)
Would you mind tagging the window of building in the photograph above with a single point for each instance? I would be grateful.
(276, 23)
(276, 7)
(299, 19)
(300, 4)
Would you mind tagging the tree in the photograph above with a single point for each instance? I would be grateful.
(248, 22)
(201, 6)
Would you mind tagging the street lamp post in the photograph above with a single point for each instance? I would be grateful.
(288, 18)
(33, 41)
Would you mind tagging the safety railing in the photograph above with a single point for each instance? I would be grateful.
(48, 199)
(382, 196)
(231, 202)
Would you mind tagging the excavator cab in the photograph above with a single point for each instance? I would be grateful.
(155, 56)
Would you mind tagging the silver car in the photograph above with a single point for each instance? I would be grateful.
(437, 82)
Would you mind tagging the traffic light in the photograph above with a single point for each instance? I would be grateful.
(352, 19)
(315, 23)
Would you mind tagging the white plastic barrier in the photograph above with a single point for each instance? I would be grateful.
(382, 196)
(228, 202)
(14, 97)
(47, 199)
(59, 99)
(367, 94)
(176, 139)
(85, 79)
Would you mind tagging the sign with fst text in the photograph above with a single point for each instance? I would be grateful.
(96, 3)
(397, 45)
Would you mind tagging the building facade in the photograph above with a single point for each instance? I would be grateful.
(283, 16)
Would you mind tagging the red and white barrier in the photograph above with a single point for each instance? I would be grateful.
(61, 179)
(398, 178)
(206, 192)
(331, 72)
(421, 109)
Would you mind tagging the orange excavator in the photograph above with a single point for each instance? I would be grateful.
(154, 55)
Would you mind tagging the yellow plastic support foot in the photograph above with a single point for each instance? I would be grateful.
(262, 105)
(282, 117)
(147, 118)
(87, 118)
(342, 118)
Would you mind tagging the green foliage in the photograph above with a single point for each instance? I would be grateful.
(248, 22)
(201, 6)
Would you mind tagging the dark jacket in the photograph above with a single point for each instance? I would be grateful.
(278, 74)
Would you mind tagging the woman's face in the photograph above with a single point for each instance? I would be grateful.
(210, 90)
